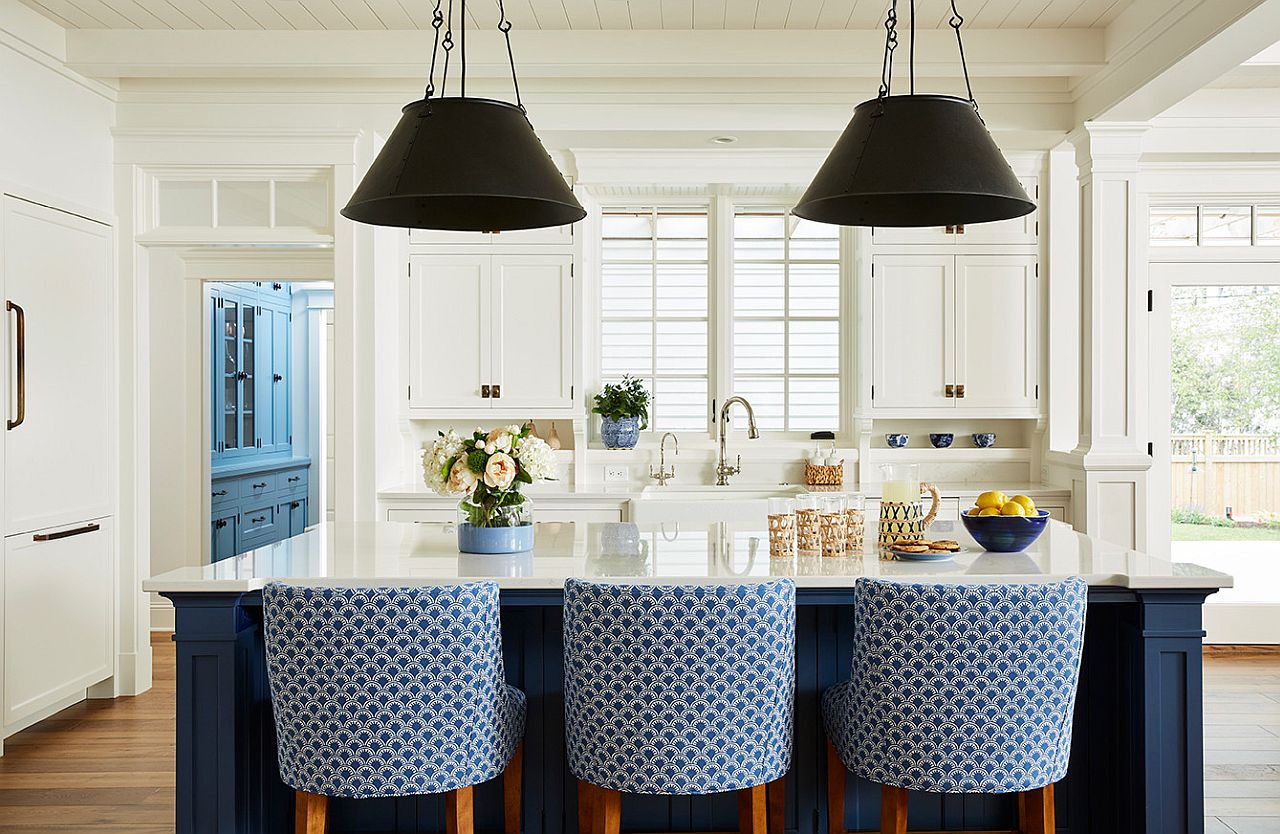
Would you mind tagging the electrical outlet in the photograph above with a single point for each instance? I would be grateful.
(614, 474)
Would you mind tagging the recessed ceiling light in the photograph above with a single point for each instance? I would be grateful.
(723, 140)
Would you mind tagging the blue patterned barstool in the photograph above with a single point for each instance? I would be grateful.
(957, 689)
(679, 690)
(391, 692)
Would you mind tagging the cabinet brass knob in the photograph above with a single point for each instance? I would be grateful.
(950, 390)
(484, 392)
(497, 391)
(960, 391)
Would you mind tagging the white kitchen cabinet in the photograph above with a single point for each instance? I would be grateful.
(490, 332)
(58, 638)
(1018, 230)
(954, 332)
(56, 277)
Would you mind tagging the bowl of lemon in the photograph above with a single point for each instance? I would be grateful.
(1004, 524)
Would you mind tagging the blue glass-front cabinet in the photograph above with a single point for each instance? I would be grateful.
(259, 489)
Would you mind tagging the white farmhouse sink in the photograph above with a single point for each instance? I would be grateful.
(743, 504)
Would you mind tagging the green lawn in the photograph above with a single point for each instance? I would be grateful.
(1208, 533)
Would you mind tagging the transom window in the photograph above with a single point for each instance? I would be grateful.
(699, 317)
(1215, 225)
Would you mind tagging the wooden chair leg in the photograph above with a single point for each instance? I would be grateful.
(835, 791)
(586, 807)
(1035, 811)
(459, 811)
(777, 802)
(310, 813)
(606, 810)
(513, 791)
(893, 810)
(752, 815)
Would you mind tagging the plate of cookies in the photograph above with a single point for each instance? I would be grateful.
(925, 550)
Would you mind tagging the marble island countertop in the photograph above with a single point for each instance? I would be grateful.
(389, 553)
(624, 492)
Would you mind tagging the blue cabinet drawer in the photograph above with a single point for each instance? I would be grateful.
(258, 522)
(225, 491)
(292, 482)
(258, 485)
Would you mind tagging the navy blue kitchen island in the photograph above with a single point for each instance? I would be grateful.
(1137, 757)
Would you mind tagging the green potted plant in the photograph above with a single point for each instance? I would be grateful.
(624, 412)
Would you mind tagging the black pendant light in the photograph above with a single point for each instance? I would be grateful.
(914, 160)
(463, 163)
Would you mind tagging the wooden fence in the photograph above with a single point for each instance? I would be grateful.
(1216, 471)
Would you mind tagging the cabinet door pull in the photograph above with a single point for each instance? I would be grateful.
(960, 229)
(242, 375)
(295, 479)
(484, 392)
(295, 505)
(960, 391)
(277, 377)
(21, 357)
(220, 523)
(66, 534)
(497, 391)
(276, 286)
(260, 486)
(950, 230)
(220, 492)
(950, 390)
(258, 520)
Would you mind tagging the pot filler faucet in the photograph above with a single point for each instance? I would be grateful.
(723, 470)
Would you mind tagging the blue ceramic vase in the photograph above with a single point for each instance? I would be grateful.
(622, 433)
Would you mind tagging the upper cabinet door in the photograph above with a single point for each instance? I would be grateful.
(57, 268)
(449, 331)
(1024, 229)
(533, 331)
(912, 333)
(997, 301)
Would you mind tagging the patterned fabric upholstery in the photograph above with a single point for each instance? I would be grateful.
(389, 691)
(960, 688)
(674, 689)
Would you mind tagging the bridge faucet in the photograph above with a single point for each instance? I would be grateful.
(723, 470)
(663, 475)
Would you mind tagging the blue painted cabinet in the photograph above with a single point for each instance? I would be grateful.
(250, 374)
(257, 504)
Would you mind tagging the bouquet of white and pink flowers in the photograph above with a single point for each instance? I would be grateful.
(487, 471)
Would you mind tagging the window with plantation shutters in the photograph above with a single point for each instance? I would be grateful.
(786, 319)
(654, 309)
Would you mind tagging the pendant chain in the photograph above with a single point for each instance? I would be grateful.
(442, 18)
(890, 44)
(504, 26)
(956, 22)
(437, 20)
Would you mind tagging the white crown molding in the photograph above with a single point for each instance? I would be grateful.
(40, 48)
(276, 148)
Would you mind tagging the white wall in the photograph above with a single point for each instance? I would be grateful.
(56, 140)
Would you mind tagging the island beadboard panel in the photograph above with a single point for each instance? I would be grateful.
(1136, 757)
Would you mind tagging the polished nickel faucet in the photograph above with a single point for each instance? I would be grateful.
(723, 469)
(663, 474)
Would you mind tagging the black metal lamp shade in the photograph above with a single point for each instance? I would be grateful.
(464, 164)
(914, 160)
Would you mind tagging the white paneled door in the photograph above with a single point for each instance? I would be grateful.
(449, 338)
(912, 330)
(533, 330)
(996, 301)
(58, 348)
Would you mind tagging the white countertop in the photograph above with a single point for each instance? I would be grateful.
(400, 554)
(624, 492)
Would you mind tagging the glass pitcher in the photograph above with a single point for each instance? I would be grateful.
(901, 517)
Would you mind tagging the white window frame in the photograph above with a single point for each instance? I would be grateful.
(722, 203)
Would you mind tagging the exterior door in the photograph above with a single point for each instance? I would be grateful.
(996, 301)
(533, 331)
(57, 270)
(449, 339)
(912, 331)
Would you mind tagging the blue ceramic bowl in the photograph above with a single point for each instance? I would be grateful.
(984, 439)
(1005, 533)
(896, 441)
(941, 441)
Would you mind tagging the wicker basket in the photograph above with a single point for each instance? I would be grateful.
(824, 475)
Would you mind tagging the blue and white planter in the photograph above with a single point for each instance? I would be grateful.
(494, 540)
(622, 433)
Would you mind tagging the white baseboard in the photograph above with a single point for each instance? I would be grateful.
(162, 616)
(1242, 623)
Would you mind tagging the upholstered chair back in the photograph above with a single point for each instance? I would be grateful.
(673, 689)
(389, 691)
(961, 688)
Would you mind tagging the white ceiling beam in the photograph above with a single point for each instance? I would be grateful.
(577, 54)
(1161, 52)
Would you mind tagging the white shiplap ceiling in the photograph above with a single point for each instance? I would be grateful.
(571, 14)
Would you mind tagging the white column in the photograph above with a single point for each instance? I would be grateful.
(1109, 465)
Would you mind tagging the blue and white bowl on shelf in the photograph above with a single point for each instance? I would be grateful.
(941, 441)
(984, 439)
(896, 441)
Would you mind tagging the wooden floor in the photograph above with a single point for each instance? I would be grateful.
(108, 765)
